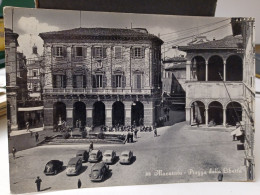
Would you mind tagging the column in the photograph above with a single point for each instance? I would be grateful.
(207, 116)
(69, 119)
(224, 117)
(188, 76)
(89, 114)
(128, 107)
(47, 67)
(207, 70)
(69, 68)
(188, 115)
(148, 112)
(108, 106)
(147, 68)
(191, 116)
(224, 76)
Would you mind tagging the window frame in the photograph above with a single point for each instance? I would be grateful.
(76, 51)
(99, 80)
(59, 51)
(139, 53)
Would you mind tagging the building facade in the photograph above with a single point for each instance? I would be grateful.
(101, 76)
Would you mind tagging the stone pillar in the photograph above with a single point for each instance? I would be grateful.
(188, 115)
(69, 115)
(89, 115)
(148, 113)
(128, 107)
(188, 66)
(48, 118)
(207, 70)
(224, 72)
(47, 67)
(109, 70)
(207, 116)
(12, 99)
(191, 116)
(224, 117)
(88, 64)
(69, 69)
(108, 106)
(146, 82)
(128, 74)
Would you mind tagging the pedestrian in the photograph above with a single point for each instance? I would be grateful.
(38, 183)
(36, 136)
(155, 132)
(91, 147)
(136, 130)
(79, 183)
(27, 126)
(13, 152)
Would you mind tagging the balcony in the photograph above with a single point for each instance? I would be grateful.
(212, 89)
(98, 91)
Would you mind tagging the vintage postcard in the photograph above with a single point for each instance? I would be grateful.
(110, 99)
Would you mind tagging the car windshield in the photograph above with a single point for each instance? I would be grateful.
(71, 166)
(107, 154)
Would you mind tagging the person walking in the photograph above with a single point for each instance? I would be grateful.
(155, 132)
(38, 183)
(79, 183)
(13, 152)
(36, 136)
(91, 147)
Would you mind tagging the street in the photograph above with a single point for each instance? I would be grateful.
(179, 153)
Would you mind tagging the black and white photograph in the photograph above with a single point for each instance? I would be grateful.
(99, 99)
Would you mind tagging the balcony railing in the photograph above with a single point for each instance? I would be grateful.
(99, 91)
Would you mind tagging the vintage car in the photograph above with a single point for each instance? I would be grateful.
(83, 154)
(109, 156)
(99, 171)
(95, 156)
(74, 166)
(126, 157)
(53, 167)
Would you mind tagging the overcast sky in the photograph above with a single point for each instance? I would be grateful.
(28, 23)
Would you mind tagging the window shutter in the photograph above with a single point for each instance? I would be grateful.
(104, 54)
(94, 83)
(64, 81)
(113, 81)
(54, 84)
(93, 52)
(143, 52)
(84, 50)
(74, 81)
(64, 51)
(84, 81)
(123, 81)
(104, 81)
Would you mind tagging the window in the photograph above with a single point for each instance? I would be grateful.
(34, 74)
(59, 81)
(137, 52)
(99, 52)
(118, 52)
(99, 79)
(79, 81)
(118, 81)
(58, 51)
(138, 81)
(35, 88)
(79, 51)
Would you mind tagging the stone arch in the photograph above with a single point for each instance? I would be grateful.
(99, 113)
(118, 113)
(198, 68)
(137, 113)
(234, 68)
(215, 67)
(79, 114)
(215, 113)
(234, 112)
(59, 113)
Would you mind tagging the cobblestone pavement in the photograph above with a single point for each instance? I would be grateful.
(179, 153)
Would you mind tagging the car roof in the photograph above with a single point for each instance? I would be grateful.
(126, 152)
(81, 151)
(108, 151)
(94, 151)
(74, 160)
(53, 161)
(98, 165)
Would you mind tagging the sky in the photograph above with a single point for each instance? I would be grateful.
(28, 23)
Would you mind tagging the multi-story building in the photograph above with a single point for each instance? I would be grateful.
(34, 76)
(220, 82)
(101, 76)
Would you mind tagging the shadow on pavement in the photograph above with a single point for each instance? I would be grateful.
(45, 189)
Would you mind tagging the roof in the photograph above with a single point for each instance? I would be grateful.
(100, 33)
(229, 42)
(74, 160)
(98, 165)
(175, 59)
(94, 151)
(173, 66)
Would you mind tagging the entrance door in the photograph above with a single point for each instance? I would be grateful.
(137, 113)
(118, 113)
(79, 114)
(99, 116)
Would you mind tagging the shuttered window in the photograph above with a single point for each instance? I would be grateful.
(99, 52)
(79, 81)
(59, 81)
(118, 52)
(138, 81)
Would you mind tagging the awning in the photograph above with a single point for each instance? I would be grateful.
(26, 109)
(237, 131)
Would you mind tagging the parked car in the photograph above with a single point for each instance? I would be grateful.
(74, 166)
(53, 167)
(95, 156)
(99, 171)
(109, 156)
(83, 154)
(126, 157)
